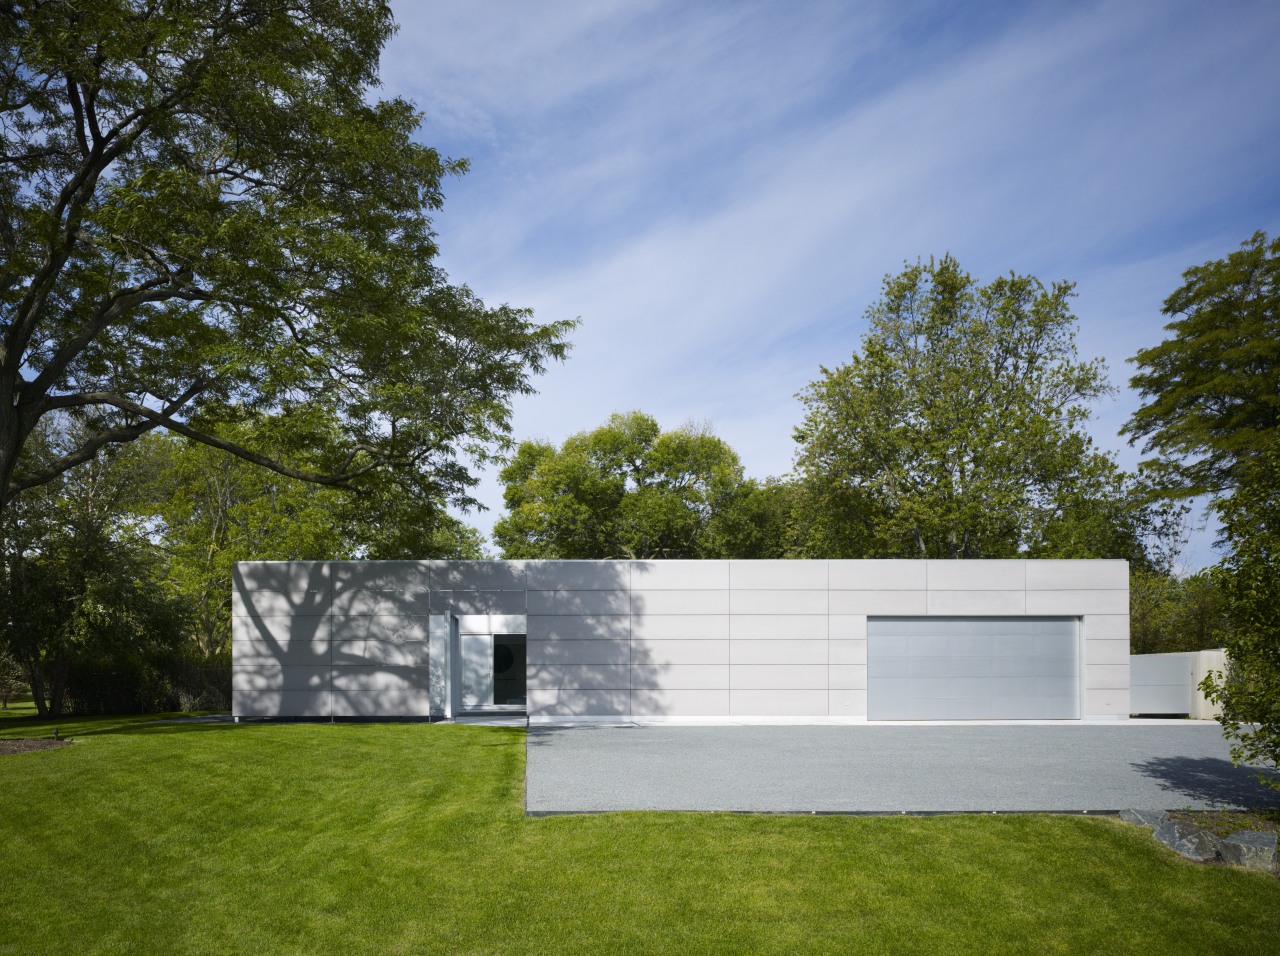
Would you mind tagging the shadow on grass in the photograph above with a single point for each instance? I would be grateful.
(1210, 780)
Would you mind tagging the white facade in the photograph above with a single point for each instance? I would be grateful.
(684, 638)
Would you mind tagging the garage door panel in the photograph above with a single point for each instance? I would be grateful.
(970, 668)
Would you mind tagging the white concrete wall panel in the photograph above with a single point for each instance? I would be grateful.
(380, 576)
(1106, 702)
(778, 602)
(778, 703)
(680, 575)
(1106, 652)
(383, 627)
(389, 602)
(267, 677)
(680, 677)
(1106, 675)
(287, 576)
(394, 653)
(779, 627)
(562, 702)
(287, 653)
(1106, 627)
(648, 702)
(271, 631)
(679, 627)
(778, 575)
(578, 575)
(847, 627)
(877, 602)
(289, 703)
(799, 651)
(877, 575)
(976, 575)
(381, 703)
(583, 676)
(976, 602)
(847, 702)
(1078, 602)
(373, 677)
(1051, 575)
(847, 676)
(645, 602)
(689, 651)
(565, 602)
(263, 603)
(777, 677)
(549, 653)
(478, 576)
(847, 652)
(478, 602)
(589, 627)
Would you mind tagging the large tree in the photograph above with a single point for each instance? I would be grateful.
(958, 429)
(206, 212)
(1212, 389)
(624, 490)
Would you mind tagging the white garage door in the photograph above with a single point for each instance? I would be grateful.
(971, 668)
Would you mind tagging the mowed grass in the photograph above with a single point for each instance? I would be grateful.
(409, 838)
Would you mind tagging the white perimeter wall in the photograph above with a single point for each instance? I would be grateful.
(639, 638)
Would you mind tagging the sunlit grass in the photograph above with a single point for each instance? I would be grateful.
(409, 838)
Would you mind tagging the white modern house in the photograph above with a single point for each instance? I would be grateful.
(810, 640)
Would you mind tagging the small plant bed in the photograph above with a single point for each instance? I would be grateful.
(25, 745)
(1223, 823)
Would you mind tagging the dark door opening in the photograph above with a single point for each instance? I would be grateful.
(509, 660)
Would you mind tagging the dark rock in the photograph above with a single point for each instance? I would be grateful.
(1252, 849)
(1189, 841)
(1145, 818)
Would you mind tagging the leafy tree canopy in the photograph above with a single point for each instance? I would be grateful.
(1213, 388)
(206, 213)
(957, 431)
(625, 490)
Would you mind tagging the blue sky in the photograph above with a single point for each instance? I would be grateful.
(718, 189)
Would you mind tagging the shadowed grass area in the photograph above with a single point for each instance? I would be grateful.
(411, 838)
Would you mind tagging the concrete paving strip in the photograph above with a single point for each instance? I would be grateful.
(979, 768)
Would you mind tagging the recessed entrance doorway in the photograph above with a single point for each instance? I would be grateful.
(493, 672)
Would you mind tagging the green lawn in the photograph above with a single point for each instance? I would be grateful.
(408, 838)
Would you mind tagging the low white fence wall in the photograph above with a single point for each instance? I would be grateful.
(1170, 683)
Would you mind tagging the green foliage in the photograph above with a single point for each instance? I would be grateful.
(13, 681)
(1249, 693)
(213, 510)
(625, 490)
(82, 590)
(958, 431)
(207, 213)
(1213, 387)
(1168, 614)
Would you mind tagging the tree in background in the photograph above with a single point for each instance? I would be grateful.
(206, 212)
(1168, 613)
(85, 612)
(1213, 387)
(624, 490)
(958, 430)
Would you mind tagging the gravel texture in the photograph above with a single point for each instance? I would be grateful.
(886, 769)
(22, 746)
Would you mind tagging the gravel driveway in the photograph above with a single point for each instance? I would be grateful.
(885, 769)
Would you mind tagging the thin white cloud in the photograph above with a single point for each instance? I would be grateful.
(718, 190)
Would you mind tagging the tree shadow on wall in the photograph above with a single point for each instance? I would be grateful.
(1210, 780)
